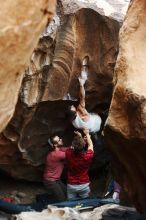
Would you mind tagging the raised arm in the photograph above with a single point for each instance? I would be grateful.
(82, 79)
(82, 95)
(89, 141)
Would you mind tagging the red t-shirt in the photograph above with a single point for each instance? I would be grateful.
(54, 165)
(78, 166)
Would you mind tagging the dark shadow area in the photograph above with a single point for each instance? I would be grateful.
(122, 213)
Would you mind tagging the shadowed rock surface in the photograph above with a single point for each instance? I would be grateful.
(126, 125)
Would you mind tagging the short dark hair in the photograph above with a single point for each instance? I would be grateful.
(78, 144)
(52, 139)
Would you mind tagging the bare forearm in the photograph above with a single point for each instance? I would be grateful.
(89, 142)
(82, 95)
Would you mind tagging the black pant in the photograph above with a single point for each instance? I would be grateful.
(56, 189)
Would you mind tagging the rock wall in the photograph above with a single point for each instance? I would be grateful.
(60, 71)
(111, 8)
(24, 141)
(126, 125)
(96, 37)
(54, 67)
(20, 26)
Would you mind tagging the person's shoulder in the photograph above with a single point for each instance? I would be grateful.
(68, 150)
(59, 154)
(50, 154)
(63, 149)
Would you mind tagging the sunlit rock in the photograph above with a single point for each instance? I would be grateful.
(51, 213)
(111, 8)
(108, 211)
(21, 23)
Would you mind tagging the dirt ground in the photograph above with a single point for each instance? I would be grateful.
(20, 191)
(25, 192)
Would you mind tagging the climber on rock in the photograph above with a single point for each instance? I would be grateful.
(81, 118)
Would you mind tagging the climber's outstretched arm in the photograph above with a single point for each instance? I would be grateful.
(82, 95)
(82, 79)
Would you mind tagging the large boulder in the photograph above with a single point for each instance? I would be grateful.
(126, 125)
(21, 23)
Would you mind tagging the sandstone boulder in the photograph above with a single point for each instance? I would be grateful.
(21, 23)
(126, 125)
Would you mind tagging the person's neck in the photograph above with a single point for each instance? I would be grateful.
(57, 149)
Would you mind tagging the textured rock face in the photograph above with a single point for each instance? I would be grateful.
(20, 26)
(85, 33)
(109, 211)
(54, 67)
(112, 211)
(126, 125)
(59, 73)
(111, 8)
(96, 37)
